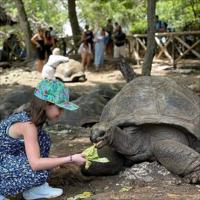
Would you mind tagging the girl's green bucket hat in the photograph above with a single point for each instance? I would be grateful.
(55, 92)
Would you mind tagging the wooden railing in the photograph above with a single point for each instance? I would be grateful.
(67, 46)
(172, 46)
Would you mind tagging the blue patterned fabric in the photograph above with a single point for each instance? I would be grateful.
(16, 174)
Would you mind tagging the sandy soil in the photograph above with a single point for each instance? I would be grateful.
(75, 139)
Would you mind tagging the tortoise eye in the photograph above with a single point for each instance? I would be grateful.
(101, 133)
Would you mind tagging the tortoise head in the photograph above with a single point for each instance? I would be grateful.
(100, 134)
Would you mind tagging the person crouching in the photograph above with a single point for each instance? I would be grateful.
(54, 60)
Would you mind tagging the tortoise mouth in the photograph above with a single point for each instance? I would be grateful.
(100, 144)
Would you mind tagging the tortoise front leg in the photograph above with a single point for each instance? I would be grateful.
(179, 159)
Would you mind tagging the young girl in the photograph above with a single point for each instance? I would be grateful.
(86, 52)
(24, 145)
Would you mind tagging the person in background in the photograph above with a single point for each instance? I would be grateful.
(12, 47)
(85, 50)
(161, 26)
(54, 60)
(88, 34)
(49, 44)
(99, 39)
(116, 26)
(109, 41)
(25, 146)
(119, 41)
(53, 34)
(38, 41)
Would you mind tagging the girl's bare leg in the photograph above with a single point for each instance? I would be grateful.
(88, 60)
(39, 65)
(84, 60)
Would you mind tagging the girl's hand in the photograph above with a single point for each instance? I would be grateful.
(78, 159)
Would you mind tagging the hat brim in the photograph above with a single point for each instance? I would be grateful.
(68, 106)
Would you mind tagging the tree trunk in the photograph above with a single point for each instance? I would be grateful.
(151, 44)
(74, 21)
(25, 27)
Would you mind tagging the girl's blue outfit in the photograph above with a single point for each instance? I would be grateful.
(16, 174)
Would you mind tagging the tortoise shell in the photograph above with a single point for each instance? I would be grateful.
(154, 100)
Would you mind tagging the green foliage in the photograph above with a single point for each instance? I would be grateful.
(9, 5)
(46, 13)
(139, 27)
(41, 12)
(180, 13)
(97, 12)
(131, 14)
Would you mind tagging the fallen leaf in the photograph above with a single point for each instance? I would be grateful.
(84, 195)
(125, 189)
(172, 195)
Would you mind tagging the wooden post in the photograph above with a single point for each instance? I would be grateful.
(173, 53)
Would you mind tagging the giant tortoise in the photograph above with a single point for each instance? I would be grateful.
(71, 71)
(153, 119)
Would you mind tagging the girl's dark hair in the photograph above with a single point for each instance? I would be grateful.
(36, 111)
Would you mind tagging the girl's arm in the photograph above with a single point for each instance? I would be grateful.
(32, 149)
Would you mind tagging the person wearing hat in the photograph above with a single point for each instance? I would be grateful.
(25, 146)
(54, 60)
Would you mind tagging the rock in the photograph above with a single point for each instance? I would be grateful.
(5, 65)
(148, 172)
(14, 99)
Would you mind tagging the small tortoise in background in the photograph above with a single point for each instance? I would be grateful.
(152, 119)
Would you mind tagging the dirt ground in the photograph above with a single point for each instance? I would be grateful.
(69, 140)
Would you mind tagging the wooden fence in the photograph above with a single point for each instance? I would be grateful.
(173, 46)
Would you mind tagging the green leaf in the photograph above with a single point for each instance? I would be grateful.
(84, 195)
(91, 155)
(125, 189)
